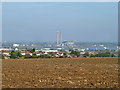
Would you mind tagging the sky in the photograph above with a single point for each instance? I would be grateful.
(78, 21)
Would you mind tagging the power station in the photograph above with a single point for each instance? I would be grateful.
(57, 38)
(59, 43)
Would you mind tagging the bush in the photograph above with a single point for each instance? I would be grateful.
(44, 56)
(27, 56)
(75, 53)
(34, 56)
(32, 50)
(92, 55)
(13, 55)
(2, 57)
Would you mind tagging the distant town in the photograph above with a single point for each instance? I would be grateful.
(58, 49)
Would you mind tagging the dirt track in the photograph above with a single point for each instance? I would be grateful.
(60, 73)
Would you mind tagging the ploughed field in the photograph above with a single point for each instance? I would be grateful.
(60, 73)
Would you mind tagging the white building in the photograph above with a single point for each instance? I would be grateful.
(82, 50)
(105, 47)
(102, 45)
(49, 50)
(15, 45)
(7, 53)
(38, 54)
(23, 53)
(16, 49)
(31, 54)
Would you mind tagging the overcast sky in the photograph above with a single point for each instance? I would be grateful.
(78, 21)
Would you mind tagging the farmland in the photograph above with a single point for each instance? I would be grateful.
(60, 73)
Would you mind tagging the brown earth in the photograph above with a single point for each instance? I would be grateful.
(60, 73)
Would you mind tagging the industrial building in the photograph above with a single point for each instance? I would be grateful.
(59, 43)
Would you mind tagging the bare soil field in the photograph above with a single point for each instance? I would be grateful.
(60, 73)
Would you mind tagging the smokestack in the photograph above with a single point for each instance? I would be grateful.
(60, 38)
(57, 39)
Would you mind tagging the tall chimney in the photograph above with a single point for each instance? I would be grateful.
(57, 39)
(60, 38)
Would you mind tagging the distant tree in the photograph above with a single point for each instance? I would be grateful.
(61, 57)
(27, 56)
(118, 52)
(13, 55)
(19, 54)
(32, 50)
(75, 53)
(86, 54)
(23, 57)
(51, 54)
(118, 55)
(2, 57)
(64, 54)
(112, 55)
(92, 55)
(106, 54)
(44, 56)
(78, 54)
(72, 52)
(34, 56)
